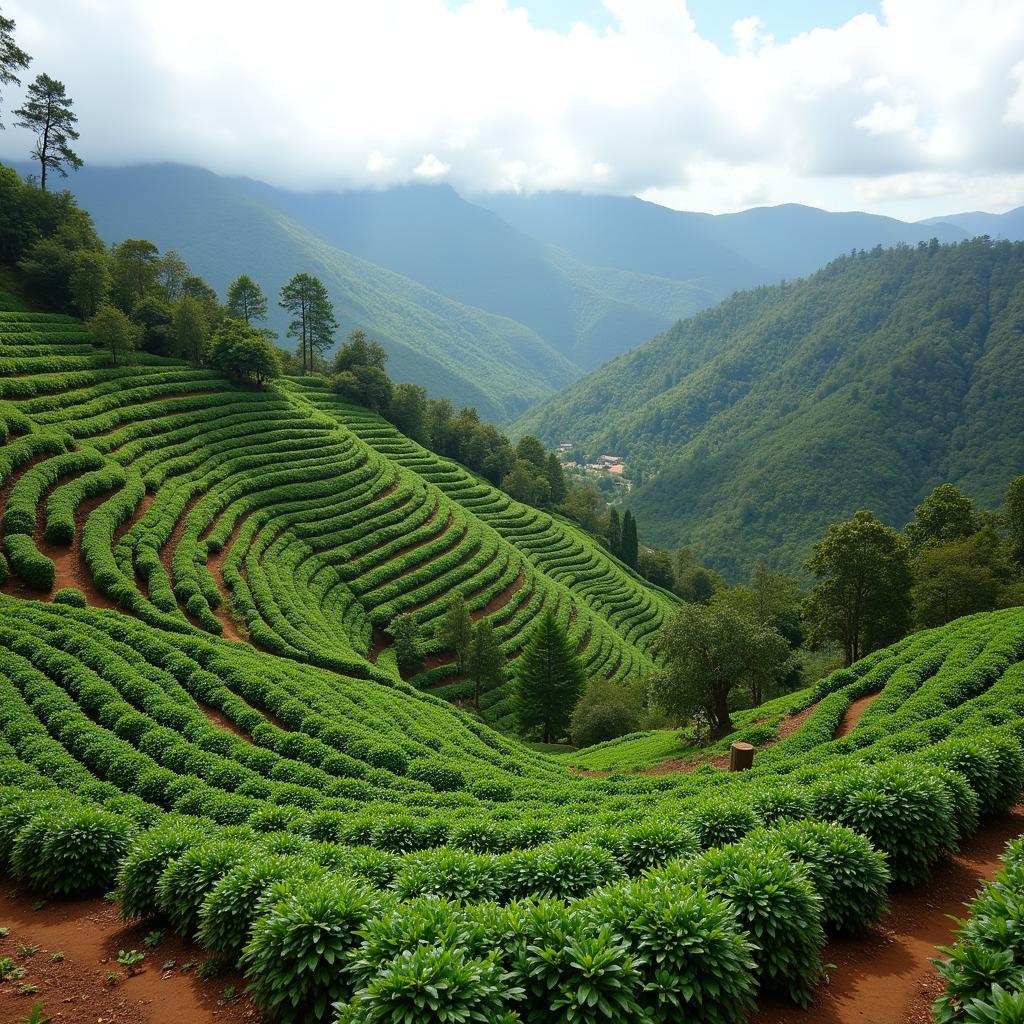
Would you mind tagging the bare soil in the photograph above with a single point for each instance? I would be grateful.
(885, 977)
(853, 713)
(76, 989)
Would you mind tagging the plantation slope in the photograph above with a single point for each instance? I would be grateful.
(197, 505)
(758, 423)
(232, 794)
(554, 546)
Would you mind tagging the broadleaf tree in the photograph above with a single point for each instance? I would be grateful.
(485, 660)
(709, 652)
(47, 112)
(242, 352)
(549, 681)
(455, 630)
(111, 327)
(862, 601)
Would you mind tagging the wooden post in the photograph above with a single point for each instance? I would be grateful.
(741, 757)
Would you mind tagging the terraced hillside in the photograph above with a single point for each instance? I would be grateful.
(281, 517)
(348, 838)
(271, 809)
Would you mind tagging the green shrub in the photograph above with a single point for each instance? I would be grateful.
(569, 972)
(848, 874)
(430, 984)
(988, 953)
(70, 596)
(145, 861)
(233, 903)
(34, 568)
(717, 822)
(695, 962)
(439, 775)
(908, 813)
(567, 869)
(775, 903)
(299, 946)
(188, 879)
(651, 843)
(454, 874)
(71, 851)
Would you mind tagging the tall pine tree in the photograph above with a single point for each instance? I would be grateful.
(614, 533)
(12, 57)
(485, 662)
(47, 112)
(246, 300)
(549, 681)
(305, 297)
(630, 548)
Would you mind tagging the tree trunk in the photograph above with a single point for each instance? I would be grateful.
(722, 725)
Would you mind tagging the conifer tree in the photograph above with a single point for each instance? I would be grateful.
(1015, 517)
(630, 548)
(246, 300)
(12, 57)
(614, 533)
(47, 112)
(456, 630)
(305, 297)
(485, 663)
(549, 681)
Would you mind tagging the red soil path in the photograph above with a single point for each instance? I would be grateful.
(853, 713)
(75, 990)
(786, 728)
(885, 977)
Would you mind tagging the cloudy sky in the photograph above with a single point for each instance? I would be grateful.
(905, 107)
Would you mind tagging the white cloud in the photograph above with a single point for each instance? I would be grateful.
(431, 167)
(884, 119)
(377, 162)
(372, 92)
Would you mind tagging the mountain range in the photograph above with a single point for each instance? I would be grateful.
(496, 301)
(757, 423)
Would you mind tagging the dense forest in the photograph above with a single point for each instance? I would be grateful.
(749, 427)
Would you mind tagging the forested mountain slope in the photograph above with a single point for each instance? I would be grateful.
(222, 229)
(787, 408)
(432, 235)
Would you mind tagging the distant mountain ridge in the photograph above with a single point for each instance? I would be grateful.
(497, 302)
(786, 408)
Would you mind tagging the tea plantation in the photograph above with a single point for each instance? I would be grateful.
(361, 848)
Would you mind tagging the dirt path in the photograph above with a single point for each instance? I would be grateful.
(75, 990)
(787, 727)
(853, 713)
(885, 977)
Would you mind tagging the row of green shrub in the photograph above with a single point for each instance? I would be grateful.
(984, 969)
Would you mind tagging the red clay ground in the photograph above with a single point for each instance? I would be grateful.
(885, 977)
(75, 990)
(853, 713)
